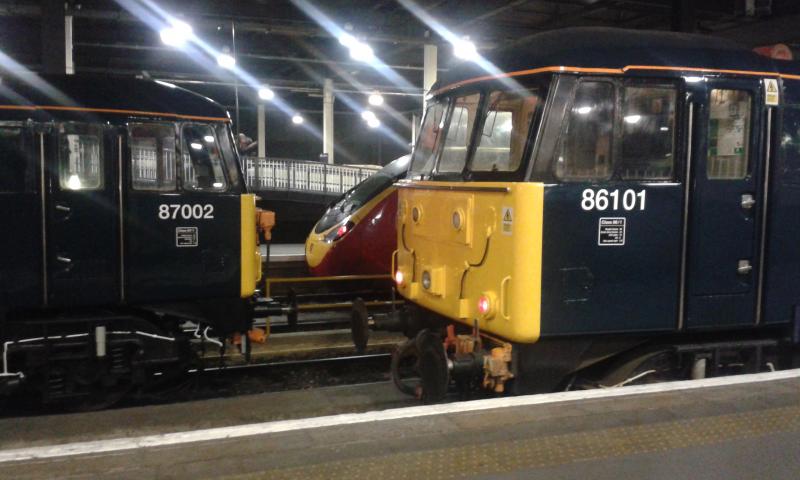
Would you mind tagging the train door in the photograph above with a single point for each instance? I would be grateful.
(20, 214)
(82, 222)
(182, 213)
(722, 268)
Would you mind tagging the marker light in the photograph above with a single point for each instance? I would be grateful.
(367, 115)
(297, 119)
(177, 34)
(398, 277)
(376, 99)
(484, 305)
(265, 93)
(226, 61)
(373, 123)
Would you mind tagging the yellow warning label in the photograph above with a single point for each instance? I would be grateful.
(772, 96)
(508, 220)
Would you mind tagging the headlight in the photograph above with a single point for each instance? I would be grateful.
(338, 233)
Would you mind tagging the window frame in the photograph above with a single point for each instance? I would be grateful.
(679, 135)
(31, 150)
(748, 137)
(182, 168)
(436, 174)
(59, 136)
(445, 103)
(178, 163)
(542, 86)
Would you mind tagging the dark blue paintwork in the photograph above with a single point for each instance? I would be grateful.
(721, 231)
(98, 255)
(588, 288)
(782, 279)
(597, 47)
(107, 92)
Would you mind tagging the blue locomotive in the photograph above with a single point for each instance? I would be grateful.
(599, 205)
(124, 215)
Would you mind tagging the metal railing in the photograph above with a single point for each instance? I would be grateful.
(283, 174)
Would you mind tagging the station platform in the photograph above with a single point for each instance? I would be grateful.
(724, 428)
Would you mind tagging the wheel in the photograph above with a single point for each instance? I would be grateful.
(359, 325)
(651, 366)
(432, 366)
(404, 368)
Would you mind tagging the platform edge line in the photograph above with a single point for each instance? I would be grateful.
(280, 426)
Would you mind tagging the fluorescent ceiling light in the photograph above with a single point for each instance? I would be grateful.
(177, 34)
(226, 61)
(265, 93)
(464, 49)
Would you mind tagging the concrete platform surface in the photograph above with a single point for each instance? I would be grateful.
(748, 428)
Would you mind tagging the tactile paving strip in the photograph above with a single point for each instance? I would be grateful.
(544, 451)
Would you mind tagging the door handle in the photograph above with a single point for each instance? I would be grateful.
(744, 268)
(66, 263)
(65, 210)
(748, 201)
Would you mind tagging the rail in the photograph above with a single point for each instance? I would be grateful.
(282, 174)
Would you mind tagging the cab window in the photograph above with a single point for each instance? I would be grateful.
(633, 142)
(459, 131)
(80, 163)
(16, 165)
(152, 151)
(428, 142)
(505, 131)
(203, 165)
(728, 134)
(229, 154)
(789, 157)
(584, 153)
(648, 133)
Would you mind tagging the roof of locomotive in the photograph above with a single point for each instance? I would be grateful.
(616, 49)
(66, 95)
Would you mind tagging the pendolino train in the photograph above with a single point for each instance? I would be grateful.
(124, 215)
(614, 206)
(356, 235)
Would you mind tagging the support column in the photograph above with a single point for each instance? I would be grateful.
(429, 66)
(70, 65)
(53, 36)
(414, 127)
(327, 119)
(262, 131)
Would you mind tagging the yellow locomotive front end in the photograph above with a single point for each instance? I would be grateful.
(472, 252)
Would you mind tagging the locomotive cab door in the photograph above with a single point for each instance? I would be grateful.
(724, 203)
(82, 225)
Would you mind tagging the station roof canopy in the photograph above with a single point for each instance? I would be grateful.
(292, 45)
